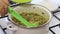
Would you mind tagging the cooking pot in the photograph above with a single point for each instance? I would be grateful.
(31, 8)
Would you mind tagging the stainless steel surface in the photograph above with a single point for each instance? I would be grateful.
(54, 21)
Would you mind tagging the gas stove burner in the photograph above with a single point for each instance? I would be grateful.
(55, 13)
(50, 28)
(56, 17)
(55, 26)
(3, 29)
(59, 7)
(52, 31)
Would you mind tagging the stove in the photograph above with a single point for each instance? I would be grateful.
(56, 14)
(54, 26)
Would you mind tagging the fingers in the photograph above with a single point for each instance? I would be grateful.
(6, 2)
(1, 8)
(4, 10)
(1, 11)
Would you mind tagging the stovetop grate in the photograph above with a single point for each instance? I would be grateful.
(50, 28)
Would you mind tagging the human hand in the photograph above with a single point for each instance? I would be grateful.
(3, 7)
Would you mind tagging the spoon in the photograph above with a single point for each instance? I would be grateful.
(20, 18)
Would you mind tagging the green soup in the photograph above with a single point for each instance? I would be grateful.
(31, 18)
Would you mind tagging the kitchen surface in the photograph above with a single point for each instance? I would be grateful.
(54, 24)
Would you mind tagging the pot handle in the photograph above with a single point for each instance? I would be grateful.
(11, 27)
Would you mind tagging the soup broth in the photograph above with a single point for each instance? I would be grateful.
(31, 18)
